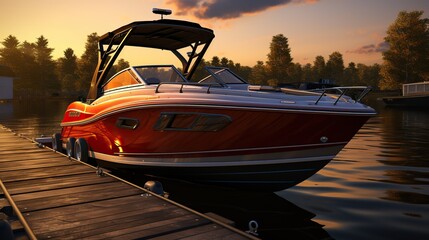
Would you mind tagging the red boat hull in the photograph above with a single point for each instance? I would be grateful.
(269, 148)
(250, 132)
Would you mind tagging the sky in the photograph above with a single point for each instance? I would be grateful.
(243, 28)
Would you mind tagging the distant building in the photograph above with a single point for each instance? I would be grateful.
(6, 83)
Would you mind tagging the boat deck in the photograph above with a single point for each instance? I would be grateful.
(45, 195)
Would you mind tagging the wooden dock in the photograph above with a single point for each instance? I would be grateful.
(45, 195)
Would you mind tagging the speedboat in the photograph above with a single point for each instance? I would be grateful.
(158, 120)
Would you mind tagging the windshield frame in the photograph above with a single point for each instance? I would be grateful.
(214, 72)
(174, 72)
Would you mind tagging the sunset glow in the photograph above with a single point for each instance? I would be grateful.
(354, 28)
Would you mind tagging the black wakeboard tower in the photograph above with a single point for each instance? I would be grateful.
(164, 34)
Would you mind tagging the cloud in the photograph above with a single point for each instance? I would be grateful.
(227, 9)
(371, 48)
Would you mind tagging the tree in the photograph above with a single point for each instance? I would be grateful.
(10, 55)
(279, 60)
(28, 66)
(308, 73)
(68, 71)
(215, 61)
(69, 62)
(122, 64)
(259, 74)
(407, 58)
(88, 62)
(369, 75)
(32, 64)
(45, 77)
(224, 62)
(351, 75)
(295, 72)
(242, 71)
(319, 68)
(335, 67)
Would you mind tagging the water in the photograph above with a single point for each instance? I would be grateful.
(376, 188)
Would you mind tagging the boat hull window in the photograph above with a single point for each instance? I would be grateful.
(199, 122)
(128, 123)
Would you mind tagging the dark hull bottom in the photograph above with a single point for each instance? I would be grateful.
(265, 178)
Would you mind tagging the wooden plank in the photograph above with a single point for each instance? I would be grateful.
(72, 190)
(30, 156)
(16, 225)
(57, 159)
(52, 183)
(17, 145)
(117, 223)
(97, 208)
(220, 233)
(27, 153)
(14, 141)
(187, 232)
(71, 196)
(100, 224)
(80, 212)
(153, 228)
(210, 231)
(25, 160)
(20, 152)
(39, 173)
(11, 166)
(5, 136)
(11, 140)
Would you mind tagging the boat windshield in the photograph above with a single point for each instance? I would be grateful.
(159, 74)
(222, 76)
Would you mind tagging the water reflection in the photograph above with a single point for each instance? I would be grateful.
(377, 187)
(34, 118)
(405, 137)
(407, 197)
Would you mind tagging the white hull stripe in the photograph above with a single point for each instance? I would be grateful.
(322, 111)
(205, 162)
(324, 145)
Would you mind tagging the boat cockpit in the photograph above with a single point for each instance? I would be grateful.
(169, 74)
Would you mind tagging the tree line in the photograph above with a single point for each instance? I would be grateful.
(37, 73)
(405, 61)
